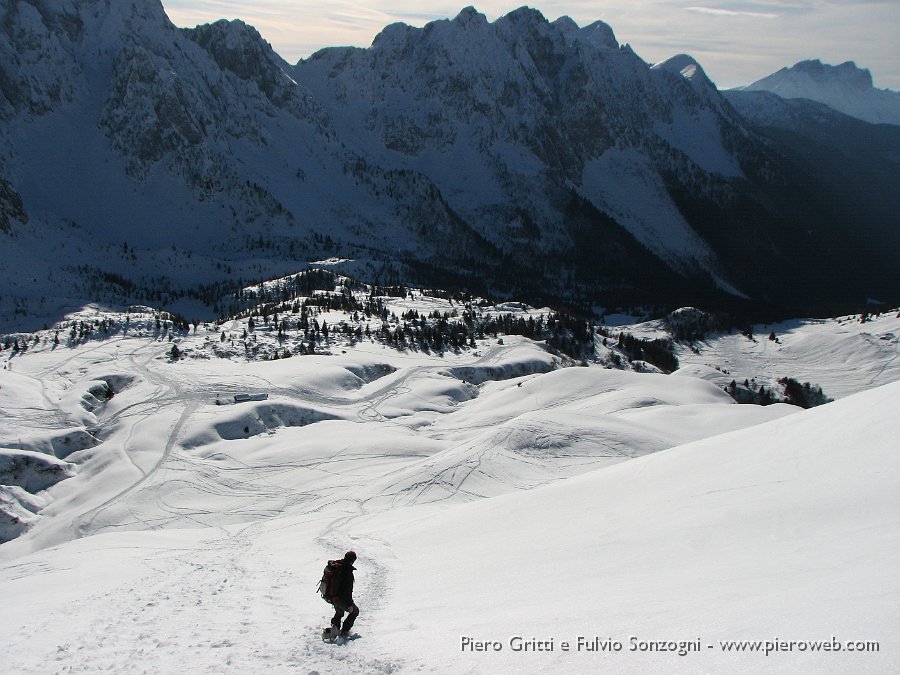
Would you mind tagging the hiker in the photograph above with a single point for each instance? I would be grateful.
(341, 596)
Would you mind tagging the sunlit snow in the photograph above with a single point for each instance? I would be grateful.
(493, 493)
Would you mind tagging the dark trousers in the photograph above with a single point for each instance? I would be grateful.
(341, 606)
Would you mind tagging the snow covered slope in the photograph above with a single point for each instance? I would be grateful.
(784, 532)
(844, 87)
(491, 491)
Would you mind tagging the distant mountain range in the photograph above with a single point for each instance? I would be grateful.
(145, 163)
(845, 88)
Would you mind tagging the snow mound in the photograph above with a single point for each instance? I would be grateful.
(552, 426)
(369, 372)
(509, 369)
(32, 471)
(61, 443)
(23, 474)
(254, 419)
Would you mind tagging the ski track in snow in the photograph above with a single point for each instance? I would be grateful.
(152, 625)
(222, 599)
(211, 598)
(213, 606)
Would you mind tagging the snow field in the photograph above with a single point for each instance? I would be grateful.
(491, 493)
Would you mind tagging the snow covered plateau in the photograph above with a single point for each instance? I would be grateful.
(512, 508)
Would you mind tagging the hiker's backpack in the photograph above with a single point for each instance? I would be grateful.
(328, 584)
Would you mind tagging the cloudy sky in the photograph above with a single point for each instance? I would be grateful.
(736, 41)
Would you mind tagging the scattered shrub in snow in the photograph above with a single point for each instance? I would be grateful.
(689, 323)
(750, 393)
(804, 395)
(660, 352)
(640, 366)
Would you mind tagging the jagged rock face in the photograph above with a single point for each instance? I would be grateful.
(11, 207)
(522, 156)
(566, 94)
(530, 108)
(161, 99)
(36, 72)
(240, 50)
(150, 112)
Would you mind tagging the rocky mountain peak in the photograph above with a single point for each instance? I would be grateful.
(846, 74)
(235, 46)
(239, 49)
(686, 66)
(470, 16)
(599, 34)
(845, 87)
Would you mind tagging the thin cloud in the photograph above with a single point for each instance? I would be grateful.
(716, 11)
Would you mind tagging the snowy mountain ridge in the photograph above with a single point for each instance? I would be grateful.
(844, 87)
(522, 157)
(489, 97)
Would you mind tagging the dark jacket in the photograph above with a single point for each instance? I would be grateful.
(344, 587)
